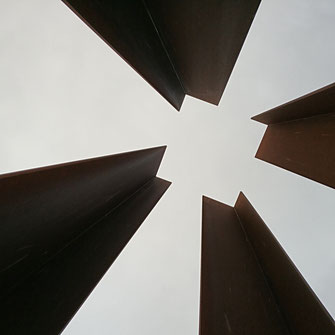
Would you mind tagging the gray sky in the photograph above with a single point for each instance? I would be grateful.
(65, 95)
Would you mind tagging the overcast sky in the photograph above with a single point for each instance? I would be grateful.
(65, 95)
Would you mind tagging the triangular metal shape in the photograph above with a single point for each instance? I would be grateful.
(62, 227)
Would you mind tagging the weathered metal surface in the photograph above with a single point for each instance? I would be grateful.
(235, 298)
(301, 308)
(179, 47)
(305, 147)
(316, 103)
(248, 283)
(203, 39)
(301, 136)
(61, 229)
(126, 26)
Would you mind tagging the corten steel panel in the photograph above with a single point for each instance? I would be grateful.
(235, 298)
(302, 309)
(305, 147)
(248, 283)
(300, 136)
(37, 205)
(317, 103)
(62, 227)
(179, 47)
(204, 39)
(126, 26)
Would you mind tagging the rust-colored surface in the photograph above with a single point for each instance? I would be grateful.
(235, 298)
(301, 136)
(248, 283)
(179, 47)
(316, 103)
(305, 147)
(126, 26)
(300, 306)
(61, 229)
(203, 39)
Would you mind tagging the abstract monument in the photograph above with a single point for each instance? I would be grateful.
(300, 136)
(61, 229)
(248, 283)
(178, 47)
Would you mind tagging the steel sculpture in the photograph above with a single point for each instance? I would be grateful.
(61, 229)
(300, 136)
(248, 283)
(178, 47)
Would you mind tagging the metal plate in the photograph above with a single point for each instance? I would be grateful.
(301, 136)
(301, 308)
(126, 26)
(179, 47)
(235, 298)
(317, 103)
(61, 229)
(248, 283)
(203, 39)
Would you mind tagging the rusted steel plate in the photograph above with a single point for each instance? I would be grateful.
(248, 283)
(179, 47)
(317, 103)
(300, 306)
(203, 39)
(126, 26)
(61, 229)
(301, 136)
(235, 298)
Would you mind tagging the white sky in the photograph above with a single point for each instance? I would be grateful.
(65, 95)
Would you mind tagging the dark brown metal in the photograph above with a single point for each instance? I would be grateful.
(317, 103)
(61, 229)
(300, 136)
(203, 39)
(179, 47)
(235, 298)
(248, 283)
(126, 26)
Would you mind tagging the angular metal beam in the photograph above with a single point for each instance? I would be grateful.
(61, 229)
(248, 283)
(300, 136)
(203, 39)
(126, 26)
(179, 47)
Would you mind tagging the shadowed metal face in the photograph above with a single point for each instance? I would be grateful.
(61, 229)
(248, 283)
(300, 136)
(179, 47)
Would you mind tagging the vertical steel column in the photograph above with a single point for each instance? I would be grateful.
(126, 26)
(248, 283)
(203, 39)
(179, 47)
(300, 136)
(61, 229)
